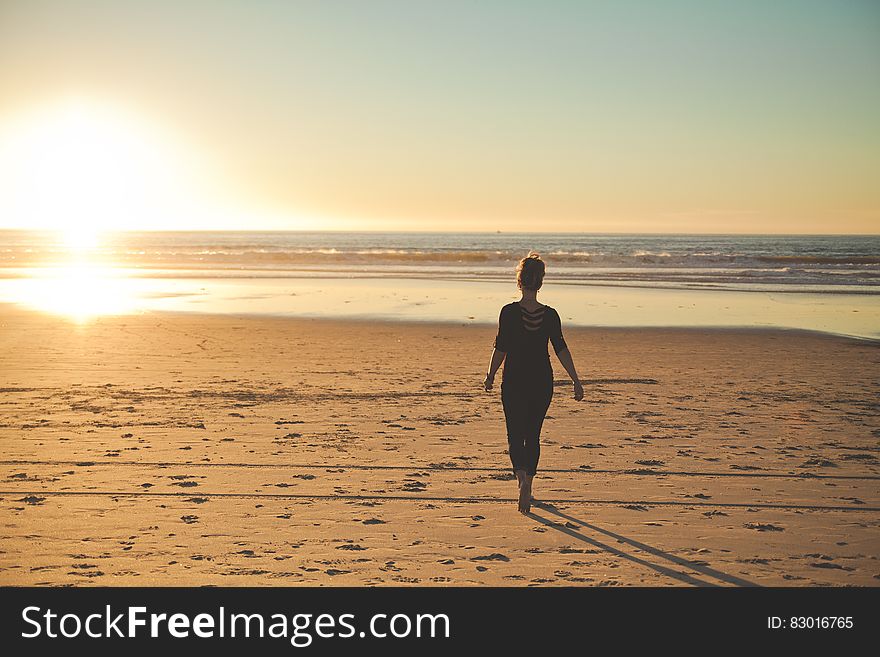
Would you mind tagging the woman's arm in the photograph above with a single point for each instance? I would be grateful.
(564, 357)
(499, 350)
(494, 364)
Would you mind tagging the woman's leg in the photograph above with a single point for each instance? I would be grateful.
(525, 494)
(524, 412)
(515, 419)
(537, 407)
(536, 411)
(525, 490)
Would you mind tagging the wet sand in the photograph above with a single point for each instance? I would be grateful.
(182, 449)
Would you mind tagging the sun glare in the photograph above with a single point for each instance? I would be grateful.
(80, 169)
(83, 168)
(80, 240)
(79, 291)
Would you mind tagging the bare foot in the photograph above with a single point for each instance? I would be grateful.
(520, 478)
(525, 495)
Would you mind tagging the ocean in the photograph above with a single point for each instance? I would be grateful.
(822, 283)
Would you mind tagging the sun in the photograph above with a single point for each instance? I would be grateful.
(78, 239)
(83, 168)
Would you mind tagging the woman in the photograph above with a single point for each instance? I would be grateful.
(524, 328)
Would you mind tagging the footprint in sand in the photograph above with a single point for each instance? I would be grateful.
(818, 463)
(495, 556)
(766, 527)
(830, 565)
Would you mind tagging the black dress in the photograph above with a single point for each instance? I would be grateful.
(527, 380)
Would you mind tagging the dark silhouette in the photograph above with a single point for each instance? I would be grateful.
(524, 329)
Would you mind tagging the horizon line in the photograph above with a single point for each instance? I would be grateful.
(440, 232)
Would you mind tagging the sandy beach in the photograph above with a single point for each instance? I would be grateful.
(184, 449)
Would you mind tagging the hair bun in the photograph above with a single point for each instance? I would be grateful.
(530, 271)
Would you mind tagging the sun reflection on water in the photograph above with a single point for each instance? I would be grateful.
(79, 287)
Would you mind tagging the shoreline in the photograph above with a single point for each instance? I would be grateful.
(12, 308)
(384, 320)
(320, 272)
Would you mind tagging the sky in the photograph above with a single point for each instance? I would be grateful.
(627, 116)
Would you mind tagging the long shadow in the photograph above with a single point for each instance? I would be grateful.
(664, 570)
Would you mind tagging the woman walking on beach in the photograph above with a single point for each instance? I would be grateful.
(524, 329)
